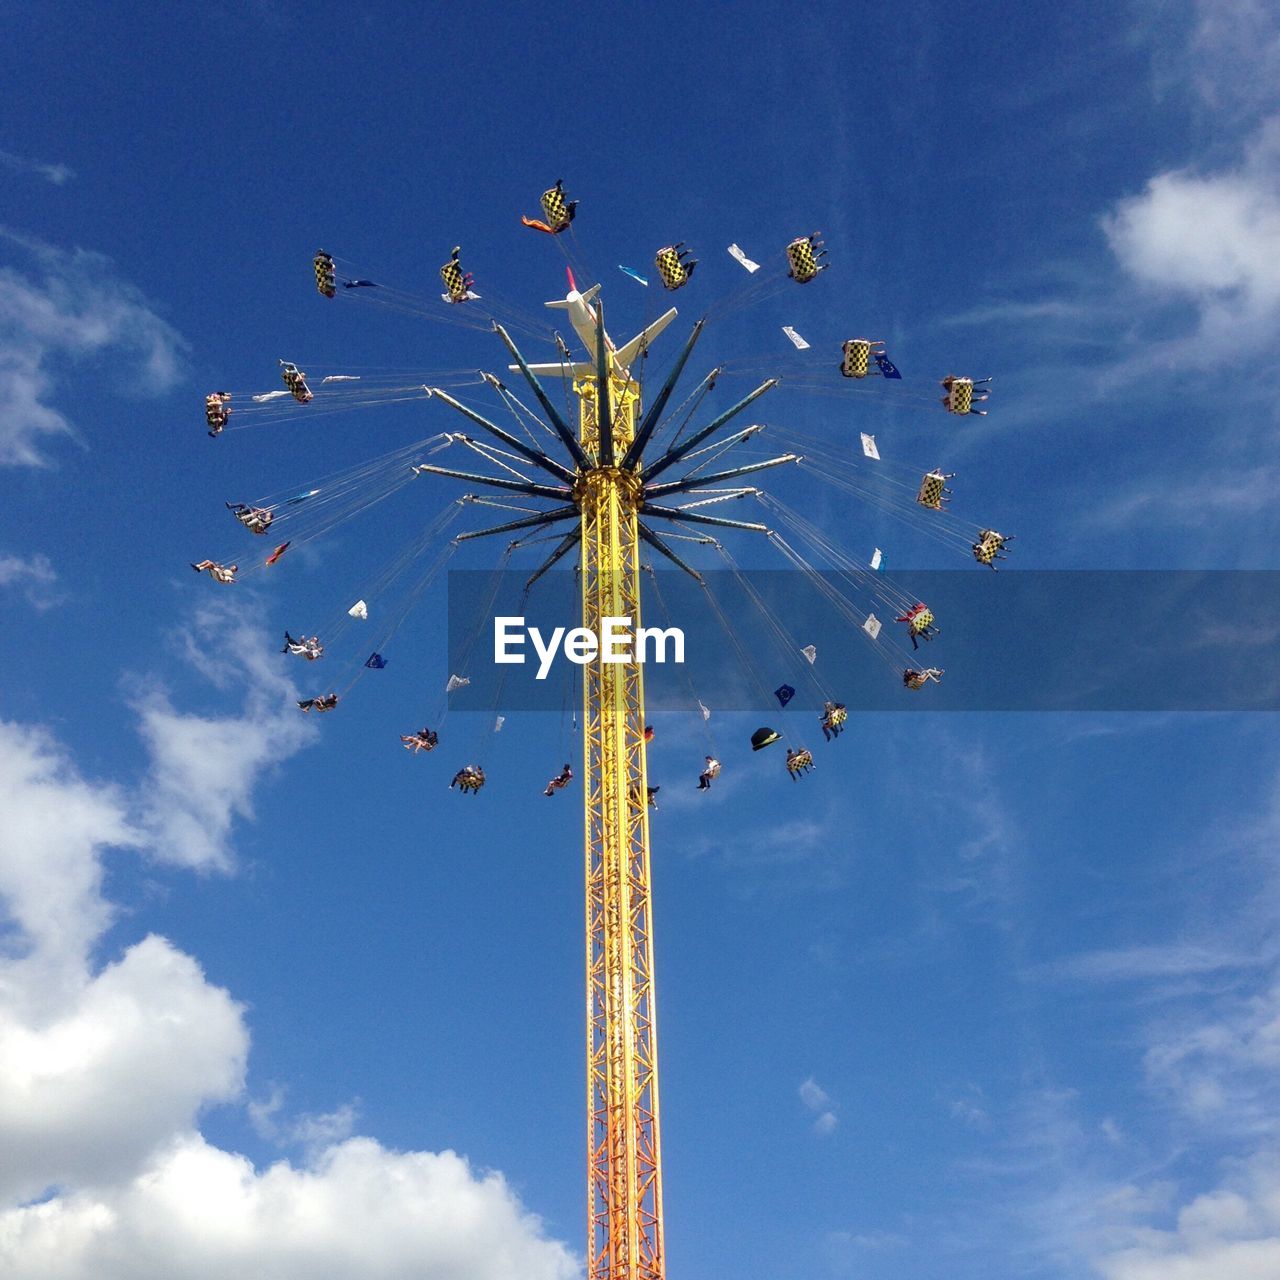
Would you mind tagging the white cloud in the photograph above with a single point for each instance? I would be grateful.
(1230, 1233)
(105, 1068)
(816, 1099)
(311, 1132)
(360, 1212)
(93, 1085)
(35, 577)
(58, 174)
(95, 1069)
(1213, 240)
(203, 768)
(1235, 53)
(71, 306)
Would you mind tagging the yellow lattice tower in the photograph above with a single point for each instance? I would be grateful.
(608, 492)
(624, 1167)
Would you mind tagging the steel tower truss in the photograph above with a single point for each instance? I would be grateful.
(606, 491)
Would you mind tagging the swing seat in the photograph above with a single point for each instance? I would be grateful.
(296, 381)
(672, 267)
(988, 547)
(216, 412)
(455, 280)
(920, 621)
(554, 208)
(960, 397)
(801, 761)
(802, 257)
(933, 490)
(857, 357)
(326, 278)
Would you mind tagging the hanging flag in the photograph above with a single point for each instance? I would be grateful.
(886, 366)
(635, 275)
(498, 723)
(277, 553)
(872, 626)
(342, 377)
(706, 711)
(648, 733)
(375, 662)
(735, 252)
(869, 446)
(301, 497)
(456, 682)
(811, 652)
(358, 610)
(270, 395)
(877, 559)
(797, 341)
(784, 693)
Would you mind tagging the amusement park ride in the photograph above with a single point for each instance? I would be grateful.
(605, 485)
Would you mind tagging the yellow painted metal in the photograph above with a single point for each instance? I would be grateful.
(624, 1167)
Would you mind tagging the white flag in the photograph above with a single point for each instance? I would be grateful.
(742, 258)
(811, 652)
(456, 682)
(358, 610)
(706, 711)
(799, 343)
(270, 395)
(869, 446)
(342, 377)
(872, 626)
(498, 723)
(877, 559)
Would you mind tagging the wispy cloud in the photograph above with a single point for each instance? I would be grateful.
(203, 767)
(817, 1100)
(66, 308)
(58, 174)
(34, 576)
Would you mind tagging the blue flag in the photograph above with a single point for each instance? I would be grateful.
(635, 275)
(784, 693)
(376, 661)
(886, 366)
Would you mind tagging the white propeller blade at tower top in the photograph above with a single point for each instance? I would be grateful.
(869, 446)
(358, 610)
(456, 682)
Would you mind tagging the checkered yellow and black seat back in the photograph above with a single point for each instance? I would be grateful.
(857, 355)
(670, 268)
(802, 259)
(554, 208)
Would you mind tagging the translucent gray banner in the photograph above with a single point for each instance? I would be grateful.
(1010, 641)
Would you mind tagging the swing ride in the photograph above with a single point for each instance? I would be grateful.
(616, 476)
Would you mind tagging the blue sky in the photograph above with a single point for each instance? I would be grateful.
(989, 995)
